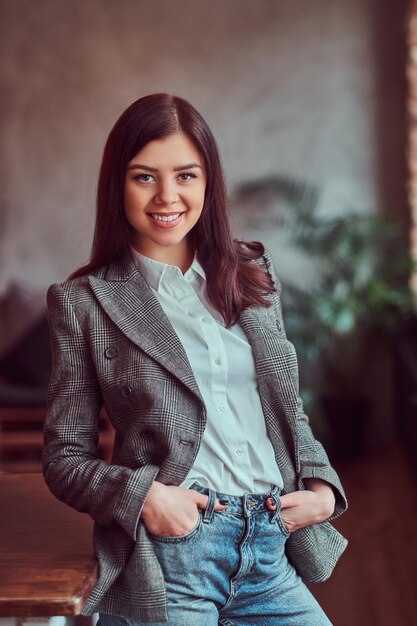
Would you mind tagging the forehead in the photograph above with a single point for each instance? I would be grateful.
(170, 151)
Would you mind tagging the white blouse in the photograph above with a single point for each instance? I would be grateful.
(236, 455)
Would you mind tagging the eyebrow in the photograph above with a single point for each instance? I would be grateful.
(148, 168)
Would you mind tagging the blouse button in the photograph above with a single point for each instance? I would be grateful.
(111, 352)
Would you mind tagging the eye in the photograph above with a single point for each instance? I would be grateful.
(144, 178)
(184, 177)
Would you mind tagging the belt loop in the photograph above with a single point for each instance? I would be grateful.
(208, 513)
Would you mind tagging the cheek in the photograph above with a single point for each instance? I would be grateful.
(197, 197)
(135, 199)
(127, 198)
(129, 207)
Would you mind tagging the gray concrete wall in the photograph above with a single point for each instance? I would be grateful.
(311, 89)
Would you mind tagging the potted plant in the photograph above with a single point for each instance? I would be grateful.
(359, 299)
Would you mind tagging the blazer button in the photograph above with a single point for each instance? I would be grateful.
(126, 392)
(147, 434)
(111, 352)
(278, 326)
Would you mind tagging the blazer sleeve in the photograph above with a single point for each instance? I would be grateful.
(313, 459)
(111, 494)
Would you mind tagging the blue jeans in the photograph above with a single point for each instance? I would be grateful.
(231, 570)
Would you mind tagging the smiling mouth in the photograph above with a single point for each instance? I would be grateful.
(166, 217)
(165, 220)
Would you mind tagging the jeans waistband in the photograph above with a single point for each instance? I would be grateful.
(241, 505)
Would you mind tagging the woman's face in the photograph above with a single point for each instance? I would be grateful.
(164, 196)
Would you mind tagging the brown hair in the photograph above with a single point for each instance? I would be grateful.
(233, 283)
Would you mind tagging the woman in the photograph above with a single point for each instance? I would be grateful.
(218, 499)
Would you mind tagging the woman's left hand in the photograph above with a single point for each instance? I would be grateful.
(303, 508)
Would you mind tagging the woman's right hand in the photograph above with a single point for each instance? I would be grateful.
(171, 511)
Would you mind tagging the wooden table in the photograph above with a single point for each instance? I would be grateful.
(47, 564)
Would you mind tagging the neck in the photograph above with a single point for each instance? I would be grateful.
(181, 256)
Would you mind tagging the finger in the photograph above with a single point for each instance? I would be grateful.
(288, 500)
(221, 504)
(201, 500)
(271, 504)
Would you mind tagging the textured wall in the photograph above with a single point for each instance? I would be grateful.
(309, 89)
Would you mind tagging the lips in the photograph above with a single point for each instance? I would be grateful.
(165, 220)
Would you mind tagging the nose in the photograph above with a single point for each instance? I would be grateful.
(166, 195)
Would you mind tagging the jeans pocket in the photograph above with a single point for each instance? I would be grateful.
(179, 538)
(281, 525)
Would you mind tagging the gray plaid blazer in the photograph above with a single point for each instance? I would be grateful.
(112, 343)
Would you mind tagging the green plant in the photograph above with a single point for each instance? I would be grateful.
(361, 292)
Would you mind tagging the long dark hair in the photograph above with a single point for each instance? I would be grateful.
(233, 283)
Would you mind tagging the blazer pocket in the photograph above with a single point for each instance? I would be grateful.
(315, 550)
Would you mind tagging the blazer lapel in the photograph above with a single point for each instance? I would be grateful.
(132, 306)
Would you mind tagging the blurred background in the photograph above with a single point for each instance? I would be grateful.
(312, 104)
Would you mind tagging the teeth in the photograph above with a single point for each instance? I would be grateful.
(165, 218)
